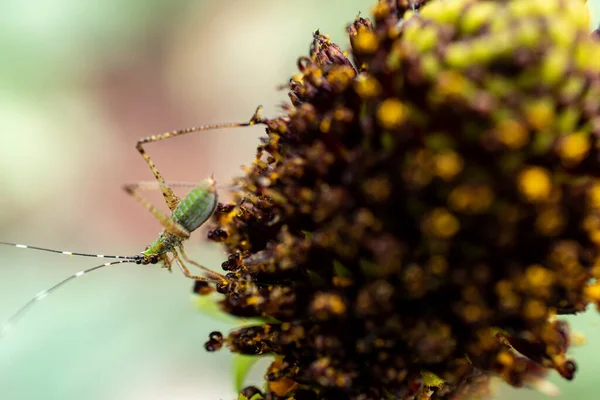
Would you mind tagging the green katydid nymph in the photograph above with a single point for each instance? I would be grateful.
(187, 215)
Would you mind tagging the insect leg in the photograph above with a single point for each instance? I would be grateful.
(167, 263)
(153, 185)
(202, 267)
(170, 198)
(169, 225)
(188, 274)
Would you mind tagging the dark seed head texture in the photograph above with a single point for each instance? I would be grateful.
(427, 207)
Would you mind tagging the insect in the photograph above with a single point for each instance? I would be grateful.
(187, 215)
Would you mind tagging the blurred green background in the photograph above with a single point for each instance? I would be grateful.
(80, 82)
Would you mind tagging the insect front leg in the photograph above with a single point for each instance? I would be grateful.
(202, 267)
(188, 274)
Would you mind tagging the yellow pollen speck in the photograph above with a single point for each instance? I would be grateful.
(253, 300)
(342, 282)
(298, 78)
(595, 237)
(332, 303)
(438, 265)
(555, 64)
(365, 42)
(592, 292)
(510, 302)
(512, 133)
(471, 199)
(504, 287)
(535, 183)
(380, 10)
(451, 83)
(391, 113)
(591, 222)
(337, 306)
(578, 14)
(426, 39)
(505, 358)
(325, 124)
(282, 387)
(366, 86)
(472, 312)
(443, 223)
(578, 339)
(534, 309)
(538, 276)
(540, 114)
(477, 15)
(448, 165)
(574, 147)
(341, 76)
(549, 222)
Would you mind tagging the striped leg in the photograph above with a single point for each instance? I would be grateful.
(170, 198)
(188, 274)
(169, 225)
(202, 267)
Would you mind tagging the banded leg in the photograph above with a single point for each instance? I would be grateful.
(153, 185)
(170, 198)
(188, 274)
(167, 263)
(202, 267)
(169, 225)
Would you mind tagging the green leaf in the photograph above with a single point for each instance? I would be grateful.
(439, 141)
(341, 270)
(387, 141)
(430, 379)
(241, 367)
(209, 307)
(367, 267)
(307, 235)
(315, 278)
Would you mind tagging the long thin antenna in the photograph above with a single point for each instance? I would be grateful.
(43, 294)
(67, 253)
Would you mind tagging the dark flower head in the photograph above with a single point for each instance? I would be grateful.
(418, 218)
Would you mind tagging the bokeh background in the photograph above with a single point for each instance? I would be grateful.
(80, 82)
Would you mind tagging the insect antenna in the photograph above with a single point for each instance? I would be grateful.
(44, 293)
(68, 253)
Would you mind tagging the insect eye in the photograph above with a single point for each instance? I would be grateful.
(153, 259)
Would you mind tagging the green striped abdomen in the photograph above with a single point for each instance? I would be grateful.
(197, 207)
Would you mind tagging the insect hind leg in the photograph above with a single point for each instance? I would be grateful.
(170, 198)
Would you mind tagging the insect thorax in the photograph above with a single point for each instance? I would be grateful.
(165, 243)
